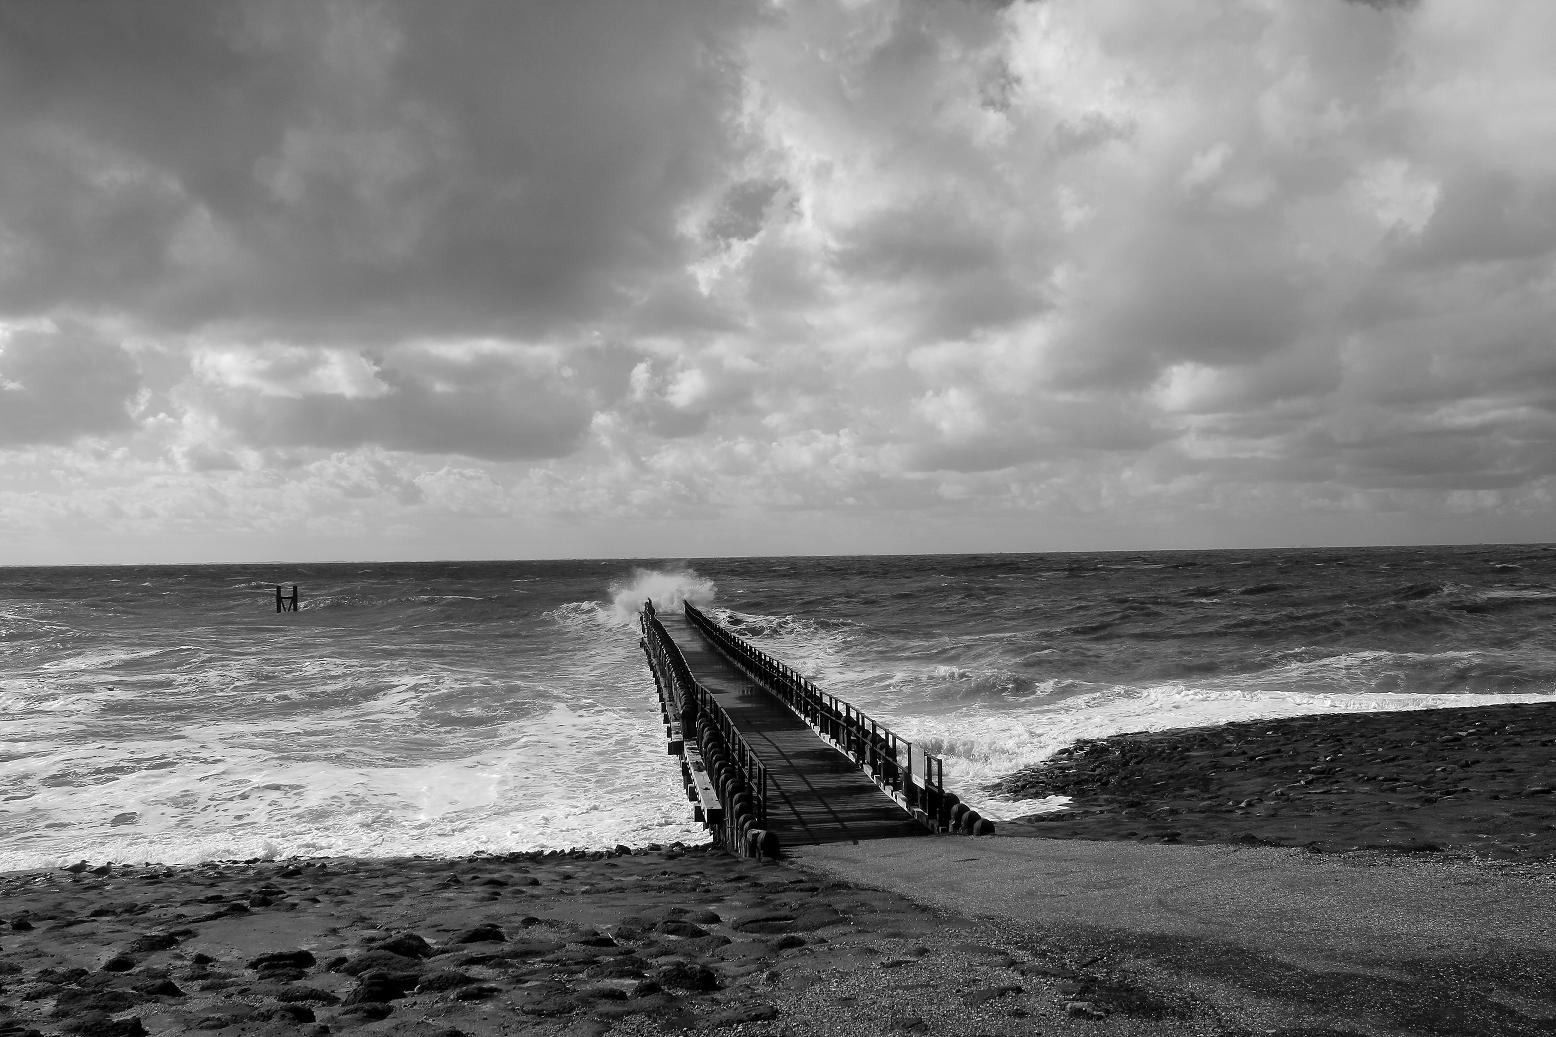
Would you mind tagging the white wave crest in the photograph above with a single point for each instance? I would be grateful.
(666, 589)
(980, 744)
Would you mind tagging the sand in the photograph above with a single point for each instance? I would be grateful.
(645, 942)
(942, 935)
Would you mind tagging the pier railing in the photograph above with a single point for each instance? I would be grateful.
(716, 760)
(913, 777)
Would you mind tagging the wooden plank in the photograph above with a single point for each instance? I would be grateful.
(815, 794)
(705, 798)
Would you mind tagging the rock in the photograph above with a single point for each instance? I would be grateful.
(909, 1024)
(71, 1002)
(294, 993)
(743, 1014)
(163, 987)
(283, 959)
(683, 929)
(18, 1030)
(476, 992)
(120, 963)
(763, 922)
(688, 976)
(381, 961)
(445, 979)
(548, 1005)
(372, 1010)
(1084, 1010)
(817, 918)
(147, 943)
(487, 933)
(99, 1024)
(592, 938)
(380, 986)
(291, 1013)
(21, 925)
(407, 945)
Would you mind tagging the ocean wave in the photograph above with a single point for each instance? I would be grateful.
(667, 589)
(980, 745)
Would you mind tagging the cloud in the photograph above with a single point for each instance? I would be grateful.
(357, 170)
(59, 385)
(482, 399)
(1195, 262)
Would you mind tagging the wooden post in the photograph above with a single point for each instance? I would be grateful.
(286, 603)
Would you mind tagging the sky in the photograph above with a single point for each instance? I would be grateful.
(691, 278)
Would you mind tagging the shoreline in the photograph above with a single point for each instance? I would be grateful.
(1097, 931)
(1465, 779)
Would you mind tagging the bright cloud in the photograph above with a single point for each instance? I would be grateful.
(600, 278)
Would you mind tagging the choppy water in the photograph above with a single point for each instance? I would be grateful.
(167, 713)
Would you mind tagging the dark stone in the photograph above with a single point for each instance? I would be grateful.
(380, 986)
(476, 992)
(286, 959)
(120, 963)
(21, 925)
(295, 993)
(77, 1002)
(446, 979)
(146, 943)
(407, 945)
(373, 1010)
(688, 976)
(98, 1024)
(684, 929)
(18, 1030)
(383, 961)
(744, 1014)
(628, 966)
(487, 933)
(592, 938)
(292, 1013)
(817, 918)
(163, 987)
(60, 977)
(763, 922)
(548, 1005)
(788, 943)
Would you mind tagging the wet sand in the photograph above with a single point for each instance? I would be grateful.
(1106, 934)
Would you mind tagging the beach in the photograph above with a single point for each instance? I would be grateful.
(1471, 780)
(932, 935)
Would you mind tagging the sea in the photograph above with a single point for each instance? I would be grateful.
(168, 713)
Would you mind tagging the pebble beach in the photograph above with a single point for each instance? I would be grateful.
(674, 938)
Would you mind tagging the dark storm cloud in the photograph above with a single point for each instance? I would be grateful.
(359, 170)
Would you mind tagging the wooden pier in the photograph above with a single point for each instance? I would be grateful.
(769, 760)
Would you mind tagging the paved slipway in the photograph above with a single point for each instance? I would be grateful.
(1278, 939)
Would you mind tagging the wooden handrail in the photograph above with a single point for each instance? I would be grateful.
(888, 758)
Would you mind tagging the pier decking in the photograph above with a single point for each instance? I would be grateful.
(771, 761)
(815, 793)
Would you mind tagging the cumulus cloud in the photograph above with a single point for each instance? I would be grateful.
(1246, 264)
